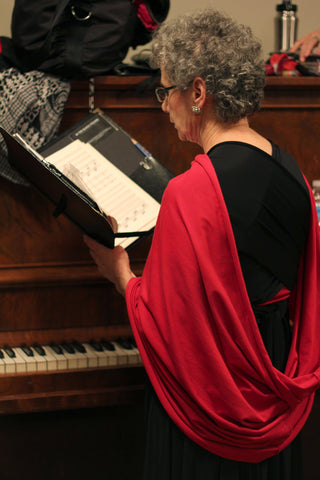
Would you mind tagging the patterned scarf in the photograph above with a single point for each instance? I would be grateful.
(32, 105)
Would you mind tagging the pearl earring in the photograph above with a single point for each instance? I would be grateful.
(196, 110)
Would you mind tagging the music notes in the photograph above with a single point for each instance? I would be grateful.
(115, 193)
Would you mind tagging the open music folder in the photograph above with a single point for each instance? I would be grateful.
(95, 169)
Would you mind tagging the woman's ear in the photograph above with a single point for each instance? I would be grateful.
(199, 92)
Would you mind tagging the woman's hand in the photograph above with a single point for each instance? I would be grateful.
(307, 44)
(113, 264)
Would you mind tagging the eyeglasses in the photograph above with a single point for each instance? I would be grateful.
(162, 93)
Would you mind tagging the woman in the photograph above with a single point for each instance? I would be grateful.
(230, 384)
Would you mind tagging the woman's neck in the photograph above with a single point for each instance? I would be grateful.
(217, 132)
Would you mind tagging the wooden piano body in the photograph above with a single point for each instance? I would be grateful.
(52, 292)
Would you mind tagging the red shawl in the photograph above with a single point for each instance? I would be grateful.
(198, 337)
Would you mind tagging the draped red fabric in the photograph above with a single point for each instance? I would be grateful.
(198, 337)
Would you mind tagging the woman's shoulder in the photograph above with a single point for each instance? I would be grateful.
(196, 175)
(192, 186)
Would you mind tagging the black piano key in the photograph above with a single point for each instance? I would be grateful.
(56, 348)
(107, 345)
(134, 343)
(125, 343)
(27, 350)
(68, 347)
(8, 350)
(1, 354)
(39, 349)
(96, 345)
(78, 347)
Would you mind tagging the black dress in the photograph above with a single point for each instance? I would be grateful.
(269, 209)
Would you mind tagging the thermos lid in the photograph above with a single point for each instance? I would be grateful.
(286, 6)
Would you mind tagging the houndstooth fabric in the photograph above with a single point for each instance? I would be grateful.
(32, 105)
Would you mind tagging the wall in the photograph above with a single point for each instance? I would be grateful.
(260, 15)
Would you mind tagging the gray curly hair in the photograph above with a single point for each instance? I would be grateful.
(225, 54)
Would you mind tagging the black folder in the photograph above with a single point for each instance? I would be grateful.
(113, 143)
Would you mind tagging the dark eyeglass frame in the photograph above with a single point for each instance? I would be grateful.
(163, 92)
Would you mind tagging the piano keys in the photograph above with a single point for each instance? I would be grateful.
(68, 356)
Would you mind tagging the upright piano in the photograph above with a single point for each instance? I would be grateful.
(84, 415)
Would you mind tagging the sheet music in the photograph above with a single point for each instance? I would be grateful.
(115, 193)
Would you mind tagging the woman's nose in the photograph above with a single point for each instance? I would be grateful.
(164, 105)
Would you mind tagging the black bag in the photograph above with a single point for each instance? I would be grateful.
(79, 38)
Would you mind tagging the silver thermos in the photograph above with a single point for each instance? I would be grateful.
(287, 25)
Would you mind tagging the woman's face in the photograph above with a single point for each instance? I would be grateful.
(179, 107)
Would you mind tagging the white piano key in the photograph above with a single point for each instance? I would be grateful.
(9, 363)
(51, 361)
(92, 356)
(104, 359)
(40, 361)
(139, 356)
(82, 360)
(2, 366)
(126, 353)
(136, 350)
(136, 359)
(133, 355)
(110, 358)
(137, 353)
(71, 359)
(119, 354)
(62, 362)
(20, 363)
(30, 362)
